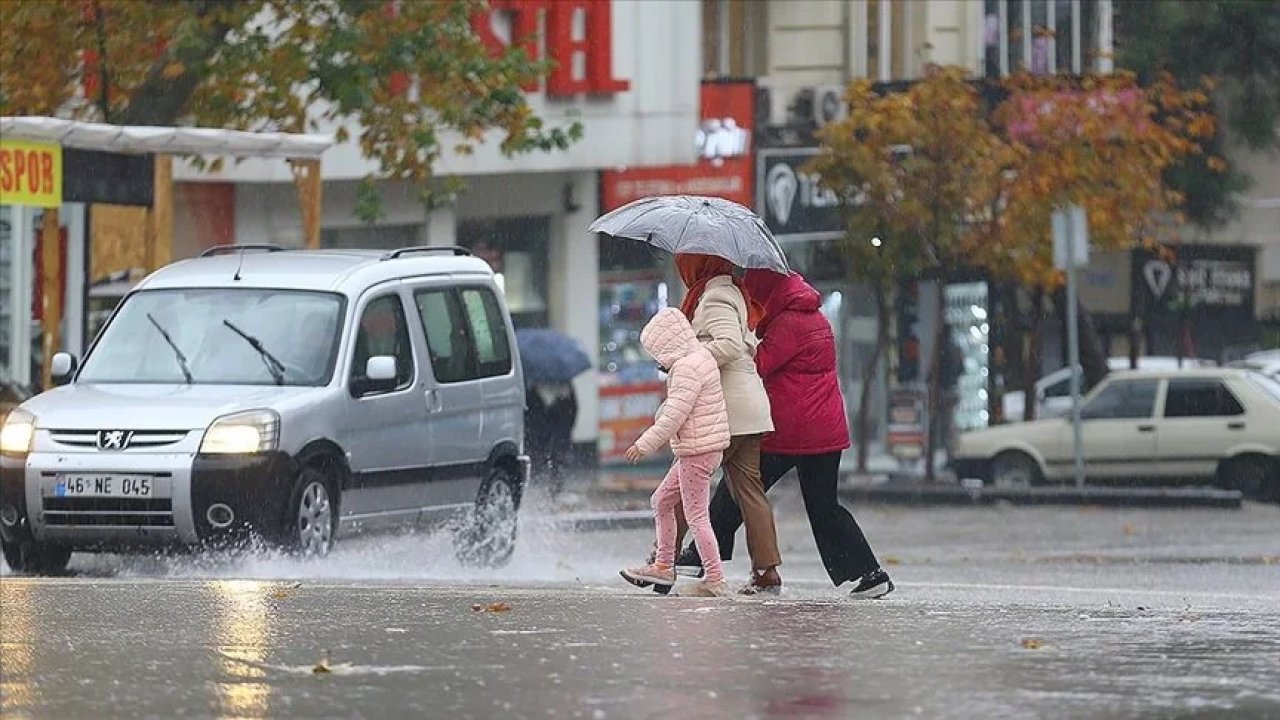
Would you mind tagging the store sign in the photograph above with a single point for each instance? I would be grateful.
(1202, 276)
(724, 146)
(578, 38)
(30, 174)
(794, 206)
(626, 411)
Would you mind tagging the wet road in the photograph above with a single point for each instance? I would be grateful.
(1054, 613)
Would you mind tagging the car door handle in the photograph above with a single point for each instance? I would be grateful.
(433, 401)
(1146, 428)
(1235, 426)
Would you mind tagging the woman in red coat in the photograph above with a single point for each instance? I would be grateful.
(797, 360)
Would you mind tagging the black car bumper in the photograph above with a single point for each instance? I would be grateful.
(254, 488)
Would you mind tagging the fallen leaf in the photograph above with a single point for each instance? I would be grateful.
(891, 560)
(1130, 529)
(495, 607)
(281, 595)
(322, 667)
(1032, 644)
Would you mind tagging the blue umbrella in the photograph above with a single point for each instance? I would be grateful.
(550, 357)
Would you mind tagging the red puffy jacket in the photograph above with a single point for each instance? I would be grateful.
(797, 361)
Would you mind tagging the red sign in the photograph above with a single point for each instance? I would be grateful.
(626, 411)
(726, 168)
(583, 63)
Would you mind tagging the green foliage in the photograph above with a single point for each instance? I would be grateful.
(411, 75)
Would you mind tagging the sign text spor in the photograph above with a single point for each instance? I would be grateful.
(579, 38)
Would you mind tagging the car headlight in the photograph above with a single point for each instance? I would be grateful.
(242, 434)
(17, 433)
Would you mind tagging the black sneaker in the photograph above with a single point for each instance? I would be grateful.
(688, 564)
(873, 586)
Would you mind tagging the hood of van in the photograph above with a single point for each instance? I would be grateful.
(152, 407)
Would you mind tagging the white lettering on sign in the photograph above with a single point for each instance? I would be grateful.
(721, 138)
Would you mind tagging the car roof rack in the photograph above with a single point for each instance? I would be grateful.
(247, 247)
(454, 250)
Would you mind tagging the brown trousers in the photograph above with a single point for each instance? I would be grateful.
(742, 473)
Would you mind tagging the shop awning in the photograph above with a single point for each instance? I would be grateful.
(167, 140)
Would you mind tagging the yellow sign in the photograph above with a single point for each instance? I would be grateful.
(30, 174)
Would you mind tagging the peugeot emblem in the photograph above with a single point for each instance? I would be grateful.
(114, 439)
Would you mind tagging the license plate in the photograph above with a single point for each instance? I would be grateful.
(107, 486)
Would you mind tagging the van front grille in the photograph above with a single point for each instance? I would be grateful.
(138, 439)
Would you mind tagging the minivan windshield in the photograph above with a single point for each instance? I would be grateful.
(219, 336)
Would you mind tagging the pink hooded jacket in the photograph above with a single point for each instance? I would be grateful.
(693, 418)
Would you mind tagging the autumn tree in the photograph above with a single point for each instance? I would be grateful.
(919, 165)
(415, 77)
(1101, 142)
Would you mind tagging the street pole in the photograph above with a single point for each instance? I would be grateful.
(1071, 250)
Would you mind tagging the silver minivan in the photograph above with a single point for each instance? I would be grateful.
(291, 395)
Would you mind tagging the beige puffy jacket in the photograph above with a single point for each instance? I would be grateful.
(693, 418)
(720, 322)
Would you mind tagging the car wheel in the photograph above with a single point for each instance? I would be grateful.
(32, 558)
(1014, 471)
(488, 536)
(1255, 477)
(312, 514)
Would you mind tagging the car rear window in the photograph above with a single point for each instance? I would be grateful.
(1268, 386)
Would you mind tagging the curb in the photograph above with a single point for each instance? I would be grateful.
(604, 520)
(954, 495)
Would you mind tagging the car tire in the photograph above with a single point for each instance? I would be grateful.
(1015, 470)
(487, 537)
(311, 517)
(1256, 477)
(32, 558)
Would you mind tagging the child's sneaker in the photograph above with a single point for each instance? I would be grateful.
(707, 588)
(651, 574)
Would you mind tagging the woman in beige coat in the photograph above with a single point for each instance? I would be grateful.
(723, 318)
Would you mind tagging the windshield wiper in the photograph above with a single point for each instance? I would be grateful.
(274, 366)
(182, 359)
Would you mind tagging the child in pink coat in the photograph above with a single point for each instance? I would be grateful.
(694, 421)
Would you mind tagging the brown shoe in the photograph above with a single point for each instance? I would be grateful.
(763, 582)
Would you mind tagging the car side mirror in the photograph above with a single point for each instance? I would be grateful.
(62, 367)
(380, 374)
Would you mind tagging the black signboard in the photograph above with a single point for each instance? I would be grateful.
(90, 176)
(793, 205)
(1198, 279)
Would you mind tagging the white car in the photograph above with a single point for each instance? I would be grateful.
(1266, 362)
(1214, 424)
(1053, 391)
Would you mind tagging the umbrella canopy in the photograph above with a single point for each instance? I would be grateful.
(695, 224)
(550, 357)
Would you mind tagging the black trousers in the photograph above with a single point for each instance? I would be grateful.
(844, 549)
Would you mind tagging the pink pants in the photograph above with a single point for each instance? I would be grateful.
(688, 482)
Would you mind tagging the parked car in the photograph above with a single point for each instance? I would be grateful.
(293, 395)
(1053, 391)
(1214, 424)
(1266, 362)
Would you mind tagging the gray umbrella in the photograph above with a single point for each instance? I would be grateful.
(695, 224)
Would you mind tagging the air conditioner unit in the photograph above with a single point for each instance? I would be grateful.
(828, 104)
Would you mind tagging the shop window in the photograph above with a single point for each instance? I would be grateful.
(370, 237)
(516, 249)
(734, 38)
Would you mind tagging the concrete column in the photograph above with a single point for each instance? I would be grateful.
(22, 279)
(441, 227)
(856, 41)
(77, 257)
(1106, 49)
(574, 287)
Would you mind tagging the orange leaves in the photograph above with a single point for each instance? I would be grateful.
(932, 173)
